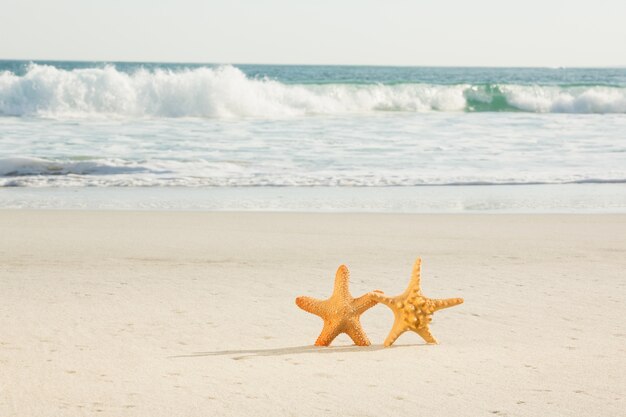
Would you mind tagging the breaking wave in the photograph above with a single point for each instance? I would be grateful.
(226, 92)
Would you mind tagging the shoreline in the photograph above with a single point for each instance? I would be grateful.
(430, 199)
(154, 313)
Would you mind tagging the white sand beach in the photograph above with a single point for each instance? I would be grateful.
(190, 314)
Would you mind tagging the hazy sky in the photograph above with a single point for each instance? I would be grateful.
(392, 32)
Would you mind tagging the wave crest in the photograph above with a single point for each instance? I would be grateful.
(226, 92)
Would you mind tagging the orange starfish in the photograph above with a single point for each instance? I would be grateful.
(340, 312)
(412, 310)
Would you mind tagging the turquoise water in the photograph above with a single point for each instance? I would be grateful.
(72, 125)
(326, 74)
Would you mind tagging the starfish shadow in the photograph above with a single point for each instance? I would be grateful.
(292, 350)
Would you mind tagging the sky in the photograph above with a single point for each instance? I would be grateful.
(359, 32)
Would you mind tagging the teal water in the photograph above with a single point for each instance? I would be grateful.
(326, 74)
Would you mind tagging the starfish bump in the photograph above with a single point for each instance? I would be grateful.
(412, 310)
(340, 312)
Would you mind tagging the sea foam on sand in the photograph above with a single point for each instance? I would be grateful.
(192, 314)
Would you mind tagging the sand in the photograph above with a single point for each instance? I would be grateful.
(192, 314)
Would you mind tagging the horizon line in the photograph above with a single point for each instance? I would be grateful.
(316, 65)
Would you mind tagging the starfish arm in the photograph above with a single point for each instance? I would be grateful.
(425, 333)
(310, 305)
(398, 328)
(342, 279)
(357, 334)
(329, 333)
(445, 303)
(365, 302)
(381, 298)
(416, 277)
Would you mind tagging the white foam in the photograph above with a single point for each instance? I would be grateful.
(566, 100)
(37, 172)
(226, 92)
(18, 167)
(203, 92)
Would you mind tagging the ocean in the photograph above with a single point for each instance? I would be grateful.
(308, 138)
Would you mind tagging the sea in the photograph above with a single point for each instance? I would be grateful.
(178, 136)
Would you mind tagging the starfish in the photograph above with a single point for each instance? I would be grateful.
(340, 312)
(412, 310)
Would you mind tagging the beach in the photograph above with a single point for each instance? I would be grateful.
(158, 221)
(191, 313)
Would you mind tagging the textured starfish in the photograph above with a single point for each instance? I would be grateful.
(412, 310)
(340, 312)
